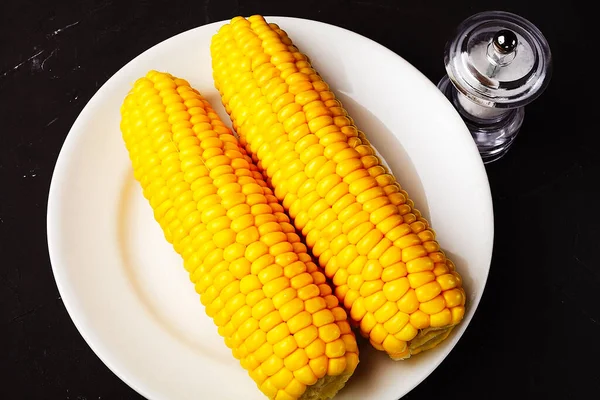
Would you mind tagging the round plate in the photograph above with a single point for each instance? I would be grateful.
(126, 289)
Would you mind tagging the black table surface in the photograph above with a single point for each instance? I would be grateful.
(537, 329)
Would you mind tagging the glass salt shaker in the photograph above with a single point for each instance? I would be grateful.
(496, 64)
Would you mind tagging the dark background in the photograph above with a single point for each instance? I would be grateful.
(537, 328)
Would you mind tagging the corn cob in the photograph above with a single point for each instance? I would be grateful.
(381, 254)
(254, 276)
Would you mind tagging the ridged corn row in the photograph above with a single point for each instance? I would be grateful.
(385, 263)
(254, 276)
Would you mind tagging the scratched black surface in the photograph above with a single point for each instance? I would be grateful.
(538, 325)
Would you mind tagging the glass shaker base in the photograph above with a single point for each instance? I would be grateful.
(493, 137)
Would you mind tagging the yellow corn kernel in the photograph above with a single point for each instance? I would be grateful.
(381, 214)
(305, 336)
(249, 283)
(291, 309)
(256, 250)
(350, 343)
(355, 282)
(306, 376)
(344, 327)
(378, 334)
(419, 319)
(340, 278)
(453, 297)
(357, 265)
(391, 256)
(224, 238)
(283, 297)
(398, 232)
(254, 297)
(393, 272)
(407, 333)
(308, 292)
(292, 270)
(228, 329)
(269, 273)
(338, 244)
(340, 315)
(390, 223)
(428, 291)
(347, 256)
(299, 321)
(356, 234)
(440, 269)
(260, 263)
(433, 306)
(336, 366)
(380, 248)
(301, 280)
(451, 265)
(375, 301)
(272, 365)
(283, 395)
(329, 333)
(282, 378)
(349, 298)
(385, 312)
(318, 277)
(295, 387)
(458, 278)
(409, 302)
(250, 363)
(412, 252)
(315, 304)
(369, 288)
(395, 289)
(396, 323)
(367, 323)
(447, 281)
(369, 241)
(419, 279)
(315, 349)
(358, 309)
(322, 318)
(254, 341)
(431, 246)
(296, 360)
(335, 349)
(441, 318)
(319, 366)
(351, 362)
(419, 265)
(277, 333)
(438, 257)
(372, 270)
(275, 286)
(393, 346)
(285, 347)
(240, 269)
(269, 389)
(457, 314)
(407, 241)
(258, 375)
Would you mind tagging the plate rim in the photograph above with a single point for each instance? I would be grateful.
(52, 214)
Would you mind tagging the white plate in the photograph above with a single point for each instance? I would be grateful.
(126, 289)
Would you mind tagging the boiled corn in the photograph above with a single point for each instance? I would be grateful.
(243, 255)
(380, 253)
